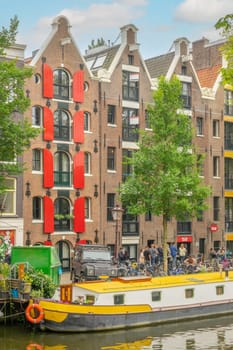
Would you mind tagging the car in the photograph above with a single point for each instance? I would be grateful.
(91, 262)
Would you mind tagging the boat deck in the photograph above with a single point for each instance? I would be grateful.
(141, 282)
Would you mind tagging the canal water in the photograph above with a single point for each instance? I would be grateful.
(214, 334)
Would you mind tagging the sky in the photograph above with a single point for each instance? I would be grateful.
(159, 22)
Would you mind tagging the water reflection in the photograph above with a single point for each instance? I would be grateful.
(214, 334)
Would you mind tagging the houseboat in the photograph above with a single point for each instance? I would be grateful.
(134, 301)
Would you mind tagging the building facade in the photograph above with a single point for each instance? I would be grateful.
(89, 109)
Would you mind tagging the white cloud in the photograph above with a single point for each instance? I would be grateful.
(198, 11)
(97, 20)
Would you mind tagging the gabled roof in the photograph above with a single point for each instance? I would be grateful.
(101, 58)
(208, 76)
(159, 65)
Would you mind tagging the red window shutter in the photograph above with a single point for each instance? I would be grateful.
(78, 86)
(79, 215)
(78, 170)
(78, 126)
(48, 124)
(48, 215)
(47, 81)
(48, 169)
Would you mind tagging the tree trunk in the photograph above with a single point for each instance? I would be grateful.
(164, 244)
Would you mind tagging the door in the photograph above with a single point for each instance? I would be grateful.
(63, 250)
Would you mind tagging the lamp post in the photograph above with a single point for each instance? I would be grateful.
(116, 214)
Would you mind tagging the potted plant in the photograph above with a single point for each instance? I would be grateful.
(4, 275)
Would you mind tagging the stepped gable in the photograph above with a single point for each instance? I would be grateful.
(159, 65)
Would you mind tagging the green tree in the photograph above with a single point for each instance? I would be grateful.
(165, 179)
(225, 25)
(15, 131)
(99, 42)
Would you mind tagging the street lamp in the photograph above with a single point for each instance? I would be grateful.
(116, 214)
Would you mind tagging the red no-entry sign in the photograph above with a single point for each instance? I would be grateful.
(213, 228)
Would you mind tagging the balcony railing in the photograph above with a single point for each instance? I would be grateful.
(62, 224)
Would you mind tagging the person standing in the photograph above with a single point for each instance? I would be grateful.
(173, 252)
(182, 252)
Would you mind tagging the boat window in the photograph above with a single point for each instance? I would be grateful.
(189, 293)
(219, 290)
(90, 299)
(118, 299)
(156, 296)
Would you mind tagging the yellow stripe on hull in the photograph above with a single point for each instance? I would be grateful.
(59, 312)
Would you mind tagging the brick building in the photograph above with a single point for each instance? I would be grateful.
(88, 108)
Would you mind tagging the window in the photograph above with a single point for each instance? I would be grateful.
(110, 205)
(228, 214)
(118, 299)
(147, 120)
(228, 173)
(36, 160)
(186, 95)
(87, 208)
(111, 114)
(36, 116)
(87, 121)
(111, 161)
(189, 293)
(156, 296)
(216, 128)
(216, 166)
(87, 163)
(219, 290)
(61, 169)
(216, 208)
(200, 165)
(37, 208)
(62, 220)
(184, 70)
(127, 168)
(8, 198)
(148, 216)
(228, 102)
(61, 125)
(130, 121)
(61, 84)
(199, 126)
(130, 59)
(130, 86)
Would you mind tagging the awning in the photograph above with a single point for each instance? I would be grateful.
(184, 239)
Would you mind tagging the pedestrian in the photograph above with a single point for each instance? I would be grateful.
(173, 252)
(154, 254)
(147, 255)
(182, 252)
(121, 256)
